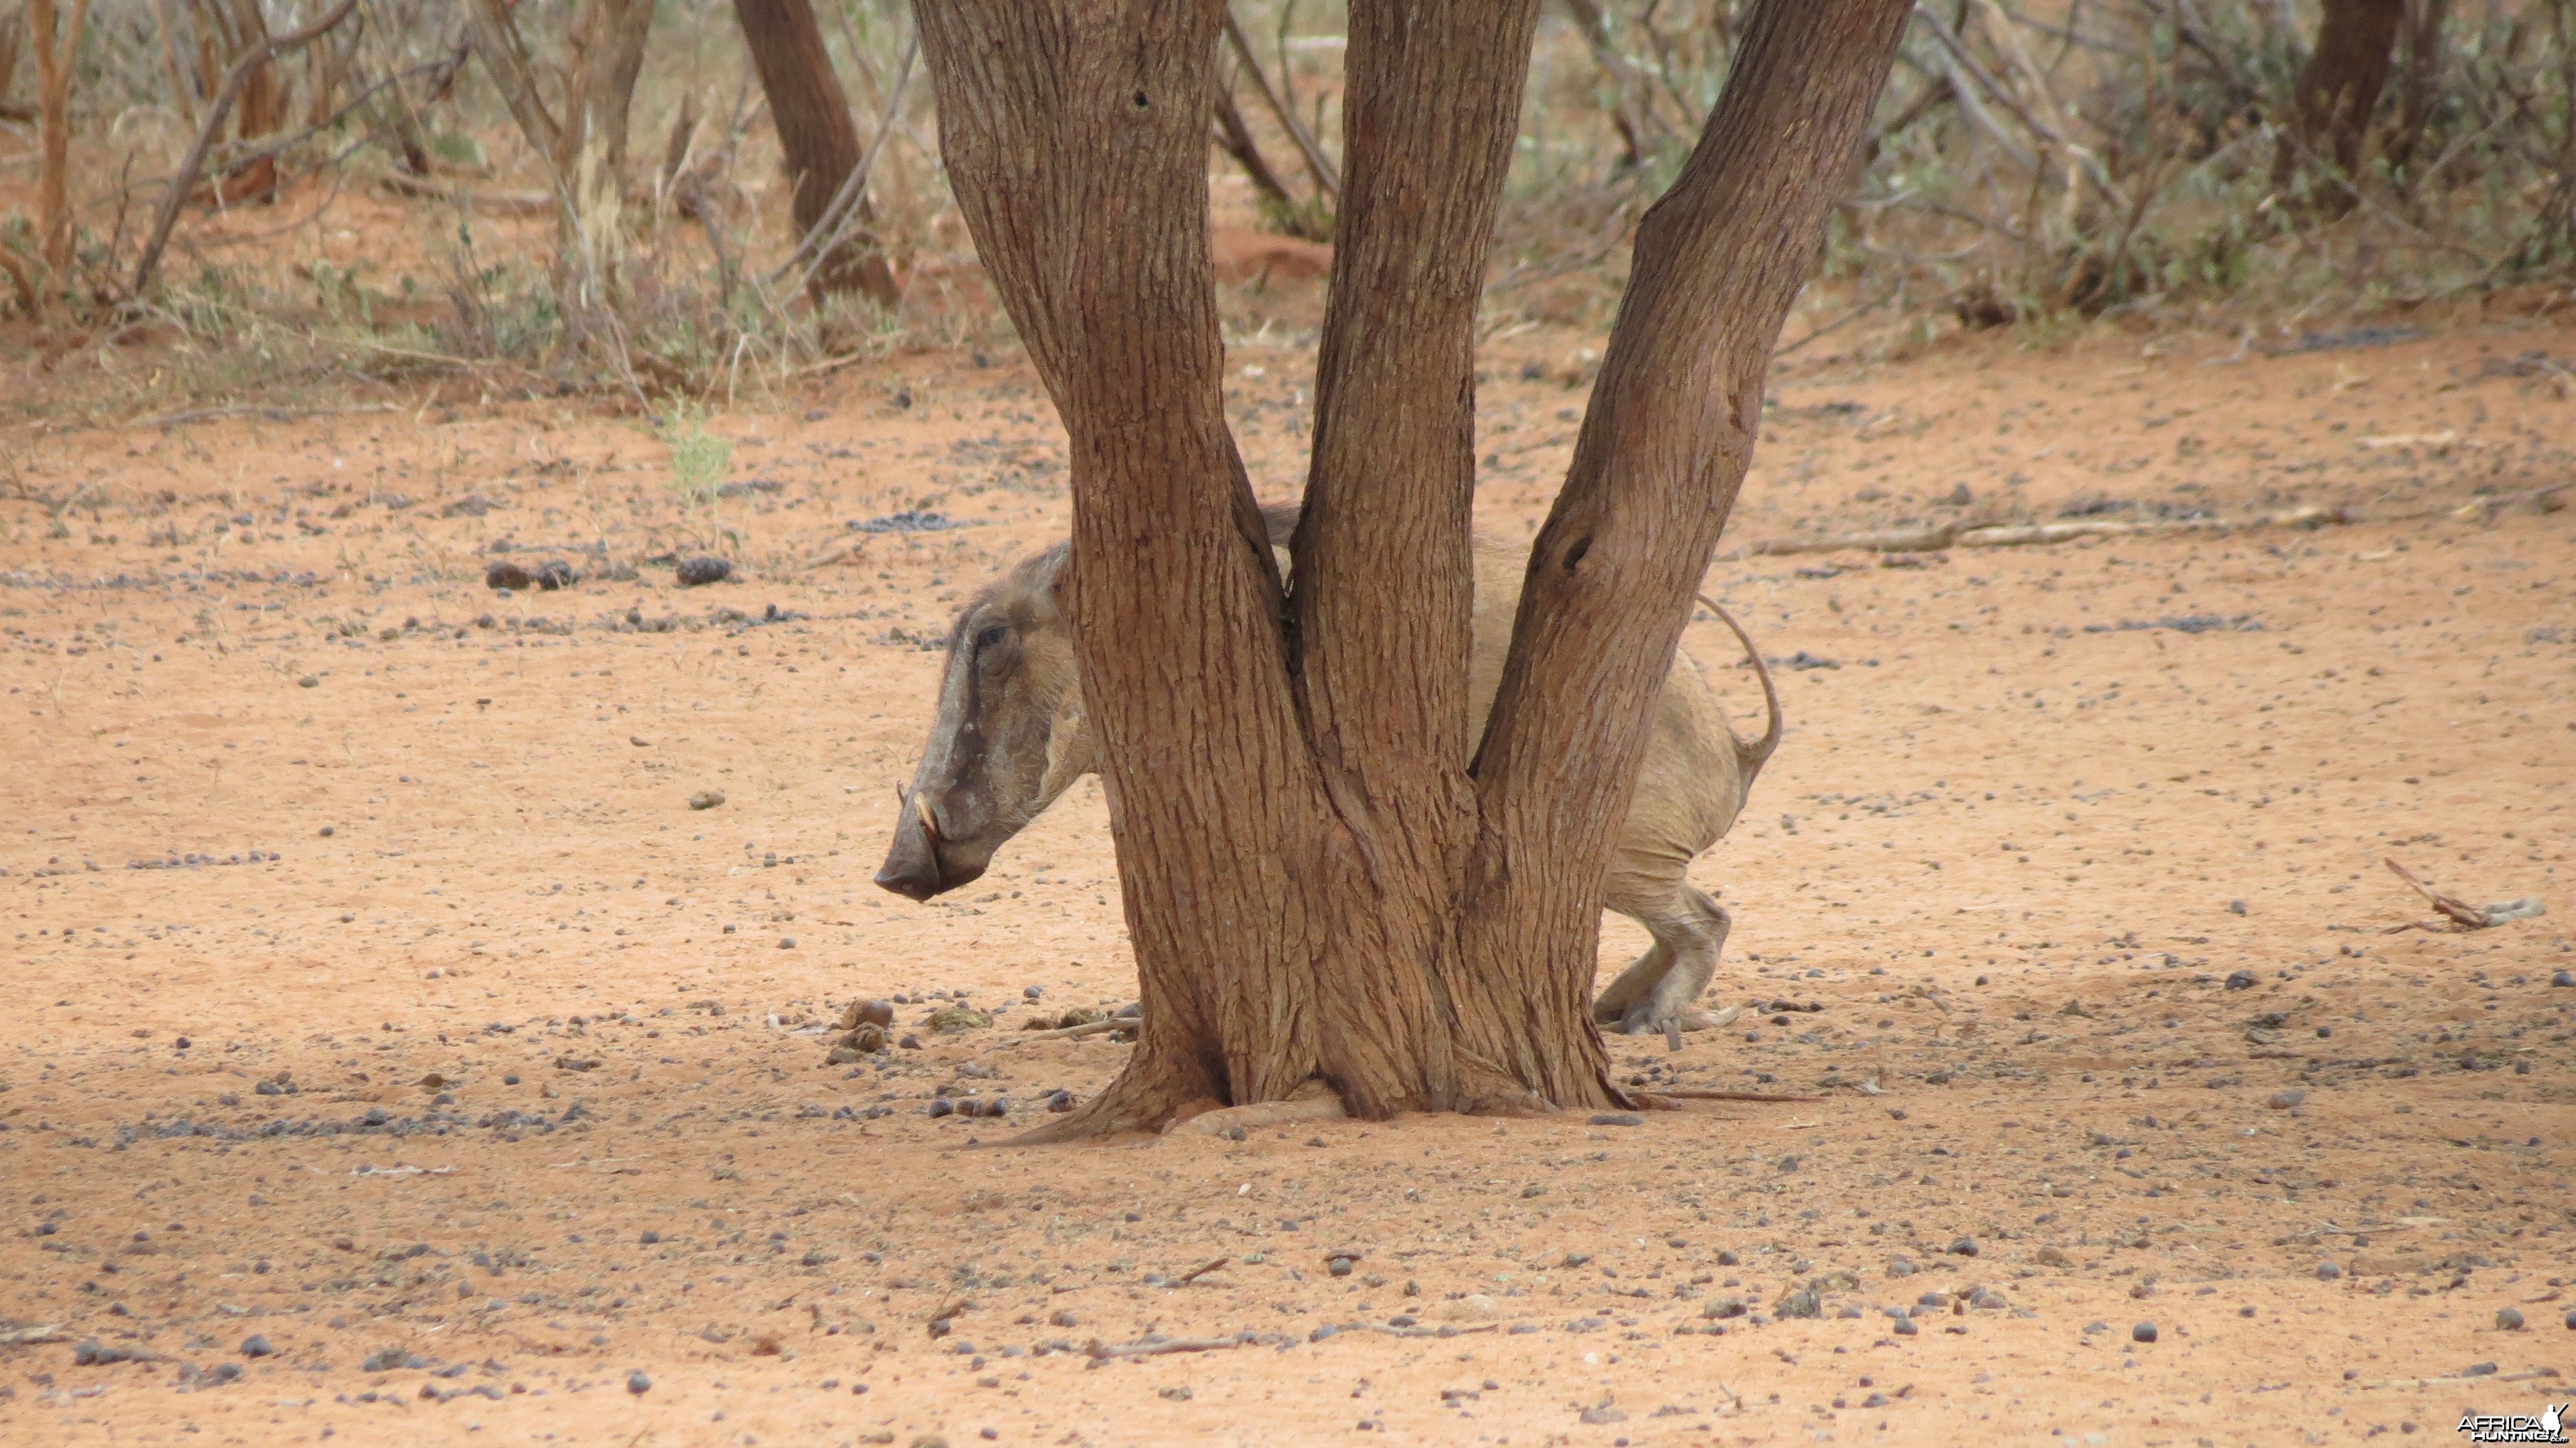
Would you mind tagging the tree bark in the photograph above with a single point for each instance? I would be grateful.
(815, 134)
(2338, 89)
(57, 54)
(1326, 876)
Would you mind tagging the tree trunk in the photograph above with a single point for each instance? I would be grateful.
(57, 55)
(1326, 876)
(2420, 82)
(583, 138)
(2338, 89)
(815, 135)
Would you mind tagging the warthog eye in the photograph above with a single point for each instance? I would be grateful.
(990, 635)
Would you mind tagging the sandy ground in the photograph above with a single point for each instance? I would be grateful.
(383, 1005)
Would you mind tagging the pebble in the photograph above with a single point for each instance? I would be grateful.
(2143, 1332)
(1964, 1247)
(1904, 1327)
(256, 1346)
(2240, 980)
(638, 1384)
(309, 681)
(554, 573)
(706, 799)
(2328, 1271)
(506, 575)
(2563, 978)
(2284, 1100)
(2478, 1370)
(1616, 1118)
(696, 572)
(2509, 1319)
(2571, 1319)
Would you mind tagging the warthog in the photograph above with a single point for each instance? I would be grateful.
(1010, 736)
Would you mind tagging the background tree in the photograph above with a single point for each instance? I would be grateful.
(580, 132)
(57, 45)
(2338, 91)
(1328, 878)
(820, 145)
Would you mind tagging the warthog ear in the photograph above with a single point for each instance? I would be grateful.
(1070, 752)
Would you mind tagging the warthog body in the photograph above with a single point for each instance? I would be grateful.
(1011, 736)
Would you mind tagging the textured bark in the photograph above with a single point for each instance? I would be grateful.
(815, 135)
(1663, 447)
(1325, 876)
(1382, 567)
(2338, 89)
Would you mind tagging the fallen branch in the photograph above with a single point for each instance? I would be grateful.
(274, 48)
(1710, 1093)
(2466, 915)
(1201, 1270)
(499, 203)
(1102, 1352)
(30, 1336)
(1066, 1033)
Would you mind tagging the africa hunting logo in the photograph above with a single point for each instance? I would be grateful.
(2549, 1427)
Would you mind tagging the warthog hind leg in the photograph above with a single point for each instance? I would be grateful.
(1665, 982)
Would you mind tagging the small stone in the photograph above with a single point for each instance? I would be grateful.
(2563, 978)
(1964, 1247)
(2571, 1319)
(506, 575)
(787, 942)
(1801, 1303)
(2235, 907)
(2509, 1319)
(554, 573)
(2478, 1370)
(2284, 1100)
(1728, 1258)
(942, 1107)
(1616, 1118)
(638, 1384)
(2143, 1332)
(697, 572)
(2240, 980)
(2328, 1271)
(309, 681)
(706, 799)
(1904, 1327)
(1339, 1266)
(257, 1346)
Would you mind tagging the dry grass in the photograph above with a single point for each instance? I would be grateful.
(2035, 168)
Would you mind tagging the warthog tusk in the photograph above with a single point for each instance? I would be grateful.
(921, 807)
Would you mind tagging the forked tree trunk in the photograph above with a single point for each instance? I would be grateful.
(581, 134)
(817, 139)
(1327, 877)
(2338, 89)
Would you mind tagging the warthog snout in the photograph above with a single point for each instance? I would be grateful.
(914, 867)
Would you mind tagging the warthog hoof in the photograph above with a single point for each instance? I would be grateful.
(1643, 1022)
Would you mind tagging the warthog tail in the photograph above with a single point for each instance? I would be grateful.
(1757, 753)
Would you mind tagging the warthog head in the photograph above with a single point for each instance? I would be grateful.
(1009, 736)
